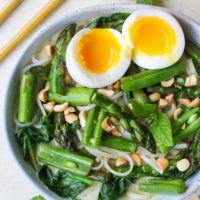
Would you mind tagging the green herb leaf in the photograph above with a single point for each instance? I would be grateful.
(162, 132)
(141, 109)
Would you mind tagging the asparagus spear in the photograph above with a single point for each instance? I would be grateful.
(64, 159)
(193, 51)
(190, 93)
(194, 155)
(75, 96)
(119, 143)
(27, 98)
(150, 77)
(57, 74)
(163, 186)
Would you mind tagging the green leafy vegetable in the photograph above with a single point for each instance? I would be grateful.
(150, 2)
(162, 132)
(38, 198)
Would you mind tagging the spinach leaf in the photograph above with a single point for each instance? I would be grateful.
(162, 131)
(114, 187)
(61, 183)
(141, 109)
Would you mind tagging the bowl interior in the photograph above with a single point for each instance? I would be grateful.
(190, 27)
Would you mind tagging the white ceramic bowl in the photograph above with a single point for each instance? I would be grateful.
(191, 29)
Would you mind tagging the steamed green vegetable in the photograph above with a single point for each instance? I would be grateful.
(150, 2)
(151, 77)
(27, 98)
(64, 159)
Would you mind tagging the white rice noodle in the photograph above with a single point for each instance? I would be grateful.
(141, 150)
(78, 133)
(190, 68)
(98, 167)
(125, 99)
(125, 134)
(116, 95)
(181, 146)
(85, 108)
(40, 106)
(91, 193)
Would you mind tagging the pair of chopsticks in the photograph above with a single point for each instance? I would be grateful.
(29, 27)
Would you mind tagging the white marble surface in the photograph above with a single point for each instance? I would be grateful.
(13, 185)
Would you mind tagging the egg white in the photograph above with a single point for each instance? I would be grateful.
(160, 61)
(85, 77)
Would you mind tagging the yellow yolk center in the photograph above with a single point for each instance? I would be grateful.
(152, 36)
(99, 50)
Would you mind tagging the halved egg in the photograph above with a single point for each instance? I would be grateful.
(97, 57)
(155, 37)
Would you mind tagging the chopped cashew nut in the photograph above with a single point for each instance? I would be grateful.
(70, 109)
(168, 83)
(107, 93)
(61, 107)
(162, 103)
(183, 126)
(155, 97)
(116, 85)
(185, 102)
(49, 106)
(195, 103)
(130, 106)
(47, 86)
(82, 117)
(121, 162)
(49, 49)
(116, 133)
(183, 165)
(191, 81)
(42, 95)
(136, 157)
(114, 121)
(162, 163)
(169, 98)
(71, 118)
(68, 79)
(106, 125)
(177, 113)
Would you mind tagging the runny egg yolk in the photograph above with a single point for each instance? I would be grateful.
(99, 50)
(152, 36)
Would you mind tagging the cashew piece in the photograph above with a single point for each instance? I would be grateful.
(42, 95)
(183, 165)
(49, 106)
(116, 85)
(71, 118)
(191, 81)
(162, 163)
(106, 126)
(177, 113)
(169, 98)
(107, 93)
(70, 109)
(195, 103)
(162, 103)
(68, 79)
(61, 107)
(115, 132)
(121, 162)
(155, 97)
(185, 102)
(168, 83)
(82, 117)
(49, 50)
(136, 157)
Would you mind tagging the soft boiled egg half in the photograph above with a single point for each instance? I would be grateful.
(155, 37)
(97, 57)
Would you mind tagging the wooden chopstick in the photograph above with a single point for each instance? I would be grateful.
(8, 8)
(29, 27)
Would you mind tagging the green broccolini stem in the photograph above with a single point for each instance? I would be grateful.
(97, 134)
(163, 186)
(150, 77)
(90, 125)
(64, 159)
(119, 143)
(193, 51)
(74, 96)
(184, 117)
(27, 98)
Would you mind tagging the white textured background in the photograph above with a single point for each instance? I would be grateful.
(13, 185)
